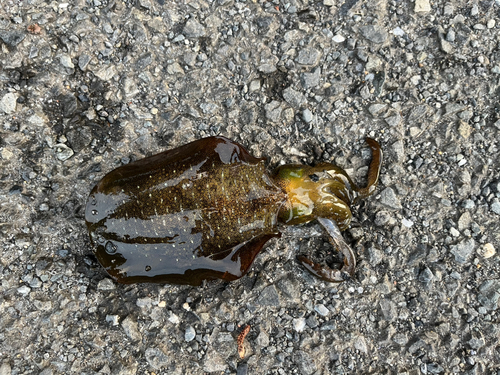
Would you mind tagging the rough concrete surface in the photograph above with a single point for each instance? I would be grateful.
(86, 86)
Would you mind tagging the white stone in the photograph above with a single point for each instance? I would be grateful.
(5, 369)
(255, 85)
(416, 79)
(8, 103)
(6, 154)
(398, 31)
(190, 334)
(66, 61)
(487, 250)
(113, 319)
(105, 284)
(299, 324)
(63, 152)
(407, 223)
(24, 290)
(338, 38)
(422, 6)
(174, 319)
(106, 73)
(36, 120)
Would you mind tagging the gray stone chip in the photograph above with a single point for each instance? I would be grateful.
(463, 250)
(63, 152)
(374, 33)
(389, 199)
(12, 37)
(194, 29)
(83, 61)
(106, 284)
(242, 369)
(388, 309)
(376, 109)
(267, 68)
(495, 207)
(304, 362)
(426, 276)
(262, 339)
(273, 111)
(308, 56)
(269, 297)
(294, 98)
(131, 329)
(489, 293)
(321, 309)
(310, 80)
(156, 358)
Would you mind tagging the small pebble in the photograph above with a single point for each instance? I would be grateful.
(495, 207)
(321, 310)
(299, 324)
(190, 334)
(307, 115)
(487, 250)
(113, 319)
(24, 290)
(63, 152)
(422, 6)
(338, 38)
(407, 223)
(8, 103)
(173, 318)
(398, 31)
(105, 284)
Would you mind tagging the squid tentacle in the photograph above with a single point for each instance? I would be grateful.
(324, 272)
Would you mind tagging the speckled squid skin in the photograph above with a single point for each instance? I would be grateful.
(205, 210)
(200, 211)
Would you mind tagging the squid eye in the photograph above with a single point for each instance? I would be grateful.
(314, 177)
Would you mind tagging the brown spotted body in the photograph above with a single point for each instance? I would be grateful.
(203, 211)
(200, 211)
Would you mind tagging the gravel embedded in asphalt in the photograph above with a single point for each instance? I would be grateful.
(88, 86)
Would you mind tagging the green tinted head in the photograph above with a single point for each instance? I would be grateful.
(324, 191)
(321, 191)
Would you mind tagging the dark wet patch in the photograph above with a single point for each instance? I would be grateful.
(274, 84)
(94, 168)
(67, 114)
